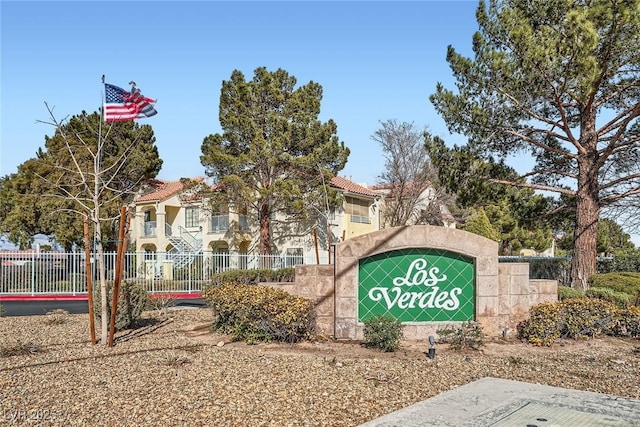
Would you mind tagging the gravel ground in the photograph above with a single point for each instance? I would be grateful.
(173, 372)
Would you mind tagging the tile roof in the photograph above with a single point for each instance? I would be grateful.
(162, 190)
(166, 189)
(351, 187)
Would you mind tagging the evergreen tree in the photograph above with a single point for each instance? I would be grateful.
(274, 155)
(50, 193)
(557, 79)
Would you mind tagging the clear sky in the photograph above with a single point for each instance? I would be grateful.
(375, 61)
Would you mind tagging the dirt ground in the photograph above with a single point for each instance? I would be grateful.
(602, 346)
(174, 371)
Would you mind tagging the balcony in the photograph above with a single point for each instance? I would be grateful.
(149, 229)
(360, 219)
(219, 224)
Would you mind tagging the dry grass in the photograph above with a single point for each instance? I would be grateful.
(172, 372)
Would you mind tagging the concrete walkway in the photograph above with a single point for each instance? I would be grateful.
(505, 403)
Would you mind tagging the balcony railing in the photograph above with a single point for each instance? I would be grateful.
(360, 219)
(149, 229)
(219, 223)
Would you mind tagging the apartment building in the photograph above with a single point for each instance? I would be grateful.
(173, 226)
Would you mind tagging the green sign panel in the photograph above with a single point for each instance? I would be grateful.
(417, 285)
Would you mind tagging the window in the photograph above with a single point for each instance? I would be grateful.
(219, 223)
(243, 219)
(192, 217)
(243, 223)
(358, 210)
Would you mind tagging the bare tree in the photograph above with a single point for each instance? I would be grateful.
(407, 182)
(94, 171)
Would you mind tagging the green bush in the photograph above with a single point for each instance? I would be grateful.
(567, 292)
(625, 282)
(132, 301)
(2, 311)
(620, 299)
(256, 313)
(544, 324)
(467, 335)
(383, 333)
(620, 262)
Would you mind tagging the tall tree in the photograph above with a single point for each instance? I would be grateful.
(557, 79)
(462, 171)
(274, 155)
(518, 214)
(408, 176)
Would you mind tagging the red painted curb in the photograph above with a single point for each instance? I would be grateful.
(58, 297)
(42, 297)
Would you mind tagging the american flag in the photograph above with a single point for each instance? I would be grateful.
(121, 105)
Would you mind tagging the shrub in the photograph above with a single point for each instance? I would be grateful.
(251, 277)
(56, 317)
(627, 322)
(543, 326)
(620, 262)
(162, 302)
(572, 318)
(618, 298)
(587, 317)
(2, 310)
(132, 301)
(256, 313)
(383, 333)
(467, 335)
(626, 282)
(567, 292)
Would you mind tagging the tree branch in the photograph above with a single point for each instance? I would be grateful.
(534, 186)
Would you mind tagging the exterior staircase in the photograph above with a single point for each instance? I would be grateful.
(186, 247)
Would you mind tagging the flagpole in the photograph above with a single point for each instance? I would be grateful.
(99, 146)
(96, 210)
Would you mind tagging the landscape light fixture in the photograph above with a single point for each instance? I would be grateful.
(431, 353)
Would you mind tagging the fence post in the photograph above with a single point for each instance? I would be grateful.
(33, 273)
(73, 275)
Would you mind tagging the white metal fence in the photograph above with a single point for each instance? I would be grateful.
(37, 273)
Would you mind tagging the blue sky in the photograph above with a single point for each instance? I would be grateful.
(375, 61)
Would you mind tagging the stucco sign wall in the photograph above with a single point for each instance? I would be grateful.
(417, 285)
(423, 275)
